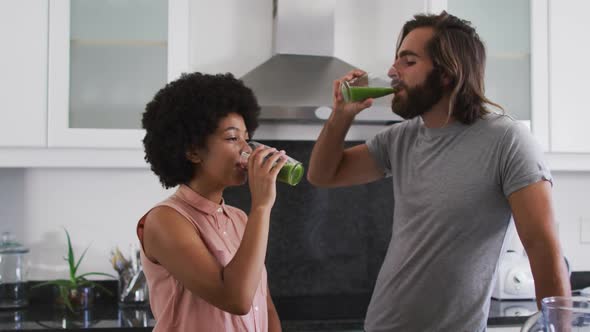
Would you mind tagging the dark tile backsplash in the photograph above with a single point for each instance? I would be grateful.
(323, 241)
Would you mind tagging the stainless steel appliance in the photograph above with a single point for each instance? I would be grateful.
(295, 84)
(514, 278)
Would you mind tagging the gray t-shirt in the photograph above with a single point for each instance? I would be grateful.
(450, 215)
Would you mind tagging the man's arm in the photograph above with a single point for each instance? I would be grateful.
(332, 166)
(533, 217)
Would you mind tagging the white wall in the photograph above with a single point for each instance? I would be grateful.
(100, 208)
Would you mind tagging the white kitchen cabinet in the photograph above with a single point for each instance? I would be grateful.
(558, 69)
(569, 72)
(107, 59)
(515, 36)
(23, 64)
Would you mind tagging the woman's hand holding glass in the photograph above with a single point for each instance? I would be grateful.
(264, 165)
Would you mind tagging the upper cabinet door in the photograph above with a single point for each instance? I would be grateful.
(569, 72)
(504, 27)
(514, 33)
(107, 59)
(23, 87)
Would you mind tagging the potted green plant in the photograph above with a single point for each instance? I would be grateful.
(77, 292)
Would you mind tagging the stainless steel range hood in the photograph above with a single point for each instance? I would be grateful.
(298, 78)
(292, 87)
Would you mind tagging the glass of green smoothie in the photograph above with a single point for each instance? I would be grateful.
(292, 171)
(368, 86)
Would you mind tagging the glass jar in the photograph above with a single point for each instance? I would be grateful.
(369, 86)
(13, 272)
(291, 173)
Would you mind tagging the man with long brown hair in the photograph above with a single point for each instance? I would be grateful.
(460, 173)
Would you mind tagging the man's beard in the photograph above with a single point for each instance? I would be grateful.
(421, 98)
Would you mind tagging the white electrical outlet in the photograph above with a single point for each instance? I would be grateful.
(585, 230)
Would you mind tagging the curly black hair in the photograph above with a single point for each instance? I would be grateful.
(184, 113)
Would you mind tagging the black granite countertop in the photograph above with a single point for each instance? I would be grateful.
(111, 317)
(328, 313)
(102, 317)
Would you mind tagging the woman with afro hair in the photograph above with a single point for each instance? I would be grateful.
(203, 259)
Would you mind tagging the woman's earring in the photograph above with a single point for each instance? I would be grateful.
(192, 156)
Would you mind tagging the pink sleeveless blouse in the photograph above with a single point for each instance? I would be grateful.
(175, 308)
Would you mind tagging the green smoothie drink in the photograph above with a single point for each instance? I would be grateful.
(365, 87)
(292, 171)
(360, 93)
